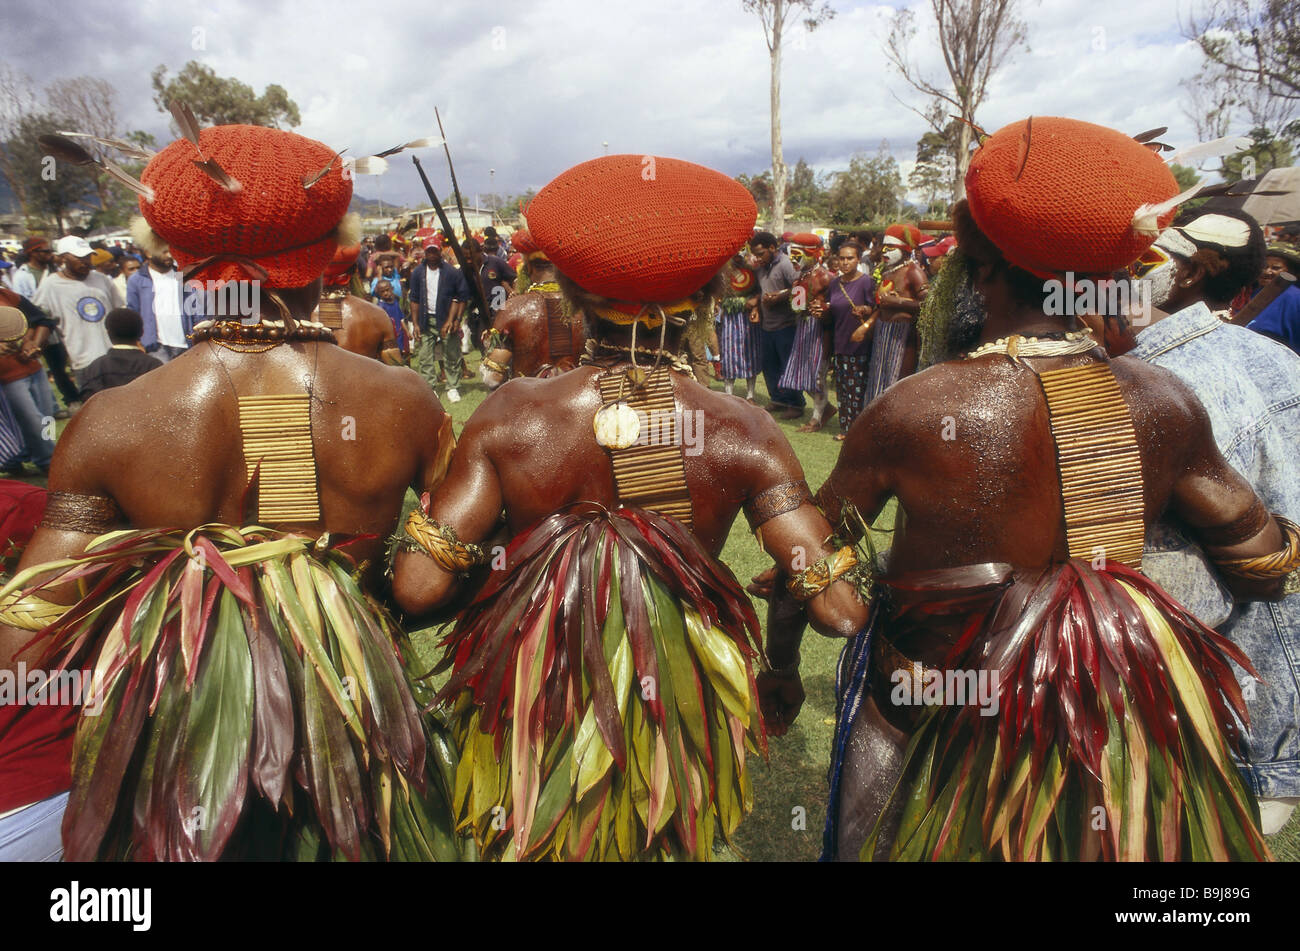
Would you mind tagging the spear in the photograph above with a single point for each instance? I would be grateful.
(474, 285)
(460, 206)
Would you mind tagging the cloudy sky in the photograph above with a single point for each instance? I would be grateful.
(531, 87)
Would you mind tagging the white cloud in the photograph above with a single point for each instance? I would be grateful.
(530, 87)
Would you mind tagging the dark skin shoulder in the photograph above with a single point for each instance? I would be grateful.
(966, 447)
(367, 328)
(530, 449)
(167, 449)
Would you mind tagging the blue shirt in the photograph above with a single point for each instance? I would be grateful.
(1250, 387)
(1281, 319)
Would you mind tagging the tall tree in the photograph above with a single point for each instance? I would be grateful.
(53, 190)
(775, 16)
(935, 171)
(1251, 75)
(760, 186)
(868, 191)
(89, 105)
(976, 37)
(17, 99)
(219, 101)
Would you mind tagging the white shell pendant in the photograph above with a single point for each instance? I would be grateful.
(617, 426)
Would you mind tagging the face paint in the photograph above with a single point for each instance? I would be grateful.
(1162, 278)
(892, 256)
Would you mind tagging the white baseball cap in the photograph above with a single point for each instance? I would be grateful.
(77, 247)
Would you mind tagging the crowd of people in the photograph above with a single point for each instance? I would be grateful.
(1089, 602)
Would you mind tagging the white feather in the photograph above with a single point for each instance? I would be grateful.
(1195, 154)
(1146, 218)
(370, 165)
(423, 143)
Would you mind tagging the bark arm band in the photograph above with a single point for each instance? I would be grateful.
(74, 512)
(775, 501)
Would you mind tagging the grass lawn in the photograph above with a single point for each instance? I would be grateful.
(790, 789)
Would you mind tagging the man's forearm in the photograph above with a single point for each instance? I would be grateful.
(785, 626)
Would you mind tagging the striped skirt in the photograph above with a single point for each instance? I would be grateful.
(739, 340)
(803, 369)
(887, 350)
(12, 447)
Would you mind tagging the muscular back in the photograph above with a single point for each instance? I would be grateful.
(537, 435)
(367, 328)
(167, 447)
(966, 446)
(524, 319)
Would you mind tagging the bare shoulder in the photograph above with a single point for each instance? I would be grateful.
(518, 308)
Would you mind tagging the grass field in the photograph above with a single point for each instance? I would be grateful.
(790, 789)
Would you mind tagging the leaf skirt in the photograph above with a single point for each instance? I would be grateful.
(1117, 711)
(246, 700)
(602, 694)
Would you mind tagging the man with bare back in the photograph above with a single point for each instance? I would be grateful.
(256, 477)
(531, 334)
(359, 326)
(602, 684)
(1023, 691)
(901, 287)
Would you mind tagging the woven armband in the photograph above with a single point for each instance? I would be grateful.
(30, 613)
(775, 501)
(1269, 567)
(440, 543)
(495, 367)
(74, 512)
(814, 580)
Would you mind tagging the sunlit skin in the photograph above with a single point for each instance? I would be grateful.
(367, 329)
(992, 494)
(374, 434)
(529, 449)
(523, 321)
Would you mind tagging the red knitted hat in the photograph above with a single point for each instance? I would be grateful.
(640, 228)
(1060, 195)
(806, 239)
(523, 242)
(272, 221)
(336, 272)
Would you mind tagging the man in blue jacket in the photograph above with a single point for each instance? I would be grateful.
(438, 295)
(167, 307)
(1250, 387)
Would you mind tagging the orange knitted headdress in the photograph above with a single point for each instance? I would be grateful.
(641, 229)
(336, 273)
(523, 242)
(278, 218)
(1059, 195)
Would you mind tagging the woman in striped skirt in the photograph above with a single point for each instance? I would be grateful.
(849, 301)
(809, 362)
(738, 336)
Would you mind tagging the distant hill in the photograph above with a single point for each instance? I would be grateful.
(370, 208)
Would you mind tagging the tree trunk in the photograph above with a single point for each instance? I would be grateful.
(963, 161)
(778, 156)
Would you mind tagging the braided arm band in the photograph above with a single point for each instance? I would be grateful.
(815, 579)
(775, 501)
(74, 512)
(1268, 567)
(440, 543)
(29, 612)
(495, 367)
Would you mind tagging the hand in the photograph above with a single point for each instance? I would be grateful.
(751, 303)
(763, 585)
(780, 697)
(860, 333)
(753, 316)
(816, 308)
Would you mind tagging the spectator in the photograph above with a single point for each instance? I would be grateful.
(165, 305)
(35, 269)
(1281, 319)
(776, 277)
(125, 359)
(22, 377)
(438, 296)
(126, 267)
(78, 298)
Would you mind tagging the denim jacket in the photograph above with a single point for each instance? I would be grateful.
(1250, 387)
